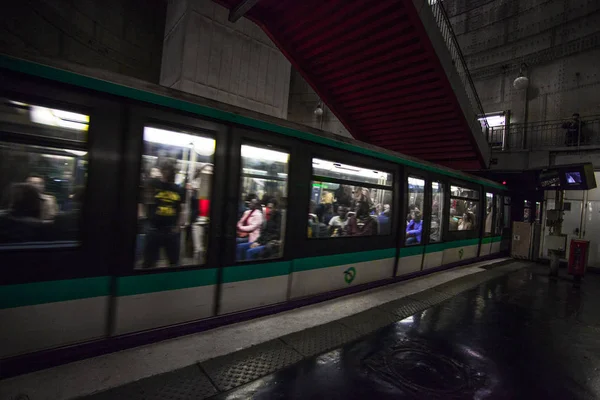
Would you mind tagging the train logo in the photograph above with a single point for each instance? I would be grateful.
(349, 275)
(461, 253)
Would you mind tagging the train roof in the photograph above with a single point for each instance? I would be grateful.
(135, 89)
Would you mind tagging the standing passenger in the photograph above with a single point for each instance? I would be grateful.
(164, 217)
(49, 206)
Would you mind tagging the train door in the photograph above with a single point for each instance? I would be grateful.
(257, 243)
(173, 178)
(415, 224)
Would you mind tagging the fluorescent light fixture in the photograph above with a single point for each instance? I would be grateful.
(323, 165)
(255, 171)
(260, 153)
(78, 153)
(435, 185)
(494, 119)
(57, 157)
(416, 182)
(201, 145)
(59, 118)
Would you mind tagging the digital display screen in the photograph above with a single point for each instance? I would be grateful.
(549, 178)
(573, 178)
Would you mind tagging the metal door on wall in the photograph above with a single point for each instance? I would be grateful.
(581, 220)
(591, 224)
(572, 217)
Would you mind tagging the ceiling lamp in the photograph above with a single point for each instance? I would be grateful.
(521, 82)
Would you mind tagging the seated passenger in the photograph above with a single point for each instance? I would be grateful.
(414, 229)
(165, 217)
(362, 224)
(21, 221)
(385, 226)
(467, 222)
(49, 206)
(268, 242)
(249, 226)
(337, 224)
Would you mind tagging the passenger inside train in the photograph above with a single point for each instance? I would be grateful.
(41, 187)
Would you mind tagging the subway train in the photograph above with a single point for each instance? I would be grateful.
(131, 213)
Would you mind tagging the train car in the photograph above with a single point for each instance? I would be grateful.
(133, 213)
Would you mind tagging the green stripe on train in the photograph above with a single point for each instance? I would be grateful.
(493, 239)
(306, 264)
(28, 294)
(434, 248)
(411, 251)
(151, 283)
(256, 271)
(72, 78)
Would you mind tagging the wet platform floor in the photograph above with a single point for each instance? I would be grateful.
(506, 333)
(517, 336)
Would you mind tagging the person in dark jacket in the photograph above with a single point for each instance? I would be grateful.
(164, 217)
(22, 222)
(267, 243)
(573, 135)
(362, 224)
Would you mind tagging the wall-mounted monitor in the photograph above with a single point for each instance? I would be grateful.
(567, 177)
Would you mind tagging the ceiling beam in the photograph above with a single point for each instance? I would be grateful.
(241, 9)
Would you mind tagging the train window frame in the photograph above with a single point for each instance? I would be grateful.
(352, 244)
(453, 235)
(199, 134)
(426, 208)
(487, 192)
(47, 262)
(140, 117)
(356, 183)
(25, 135)
(278, 147)
(444, 209)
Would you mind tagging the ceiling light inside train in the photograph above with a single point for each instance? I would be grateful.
(201, 145)
(59, 118)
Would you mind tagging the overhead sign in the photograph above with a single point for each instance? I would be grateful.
(567, 177)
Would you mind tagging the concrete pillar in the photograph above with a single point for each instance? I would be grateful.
(235, 63)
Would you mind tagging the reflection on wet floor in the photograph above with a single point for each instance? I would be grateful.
(519, 336)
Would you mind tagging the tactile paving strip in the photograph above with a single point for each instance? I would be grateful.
(368, 321)
(183, 384)
(320, 339)
(186, 383)
(404, 307)
(246, 365)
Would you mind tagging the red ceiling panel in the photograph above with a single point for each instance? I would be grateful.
(373, 64)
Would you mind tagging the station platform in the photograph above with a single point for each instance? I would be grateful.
(495, 329)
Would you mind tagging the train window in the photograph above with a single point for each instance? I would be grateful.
(35, 120)
(437, 202)
(489, 213)
(41, 186)
(174, 200)
(414, 219)
(328, 169)
(349, 201)
(499, 215)
(464, 204)
(263, 205)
